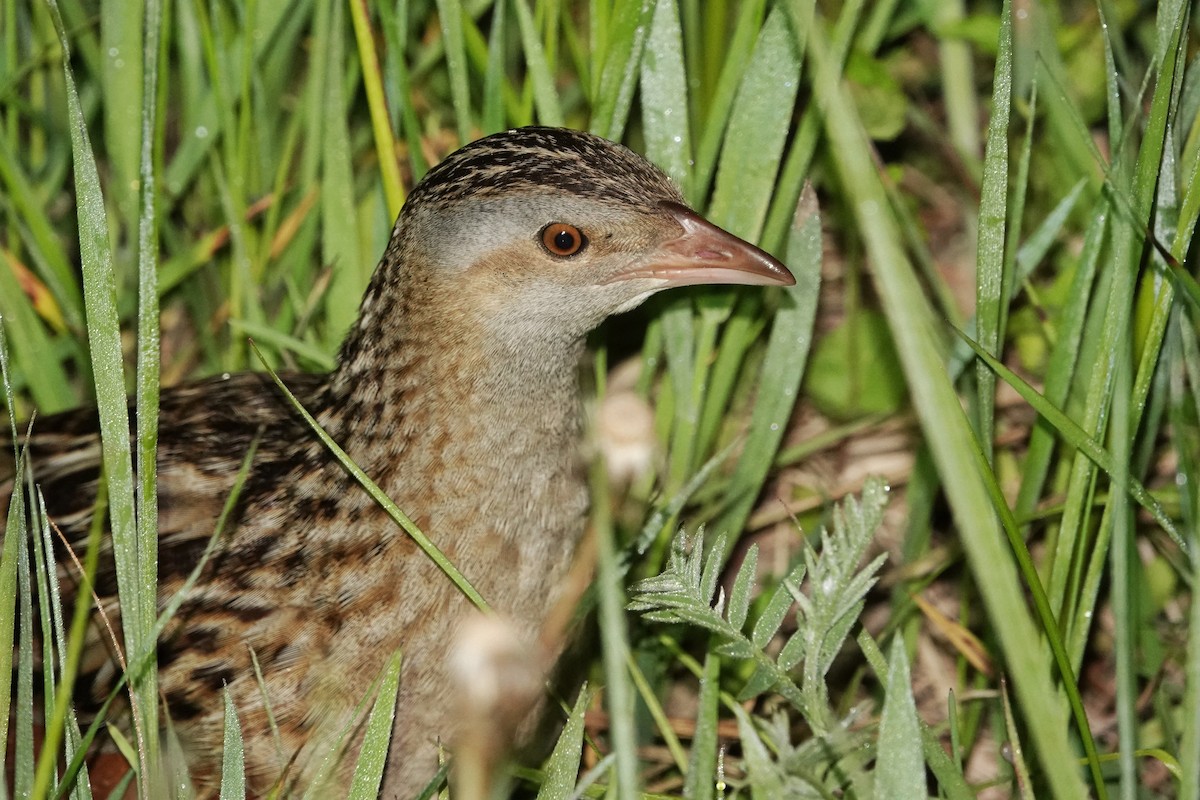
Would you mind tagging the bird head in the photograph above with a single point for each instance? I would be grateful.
(539, 234)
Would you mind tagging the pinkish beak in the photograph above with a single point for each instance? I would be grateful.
(704, 253)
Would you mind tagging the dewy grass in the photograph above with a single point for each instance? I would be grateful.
(266, 184)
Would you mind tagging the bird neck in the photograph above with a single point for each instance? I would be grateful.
(478, 440)
(441, 393)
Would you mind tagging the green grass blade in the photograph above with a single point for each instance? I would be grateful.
(55, 266)
(1078, 438)
(14, 532)
(712, 131)
(21, 711)
(122, 79)
(1061, 369)
(372, 757)
(759, 124)
(450, 12)
(339, 215)
(901, 768)
(494, 80)
(782, 368)
(914, 327)
(1024, 784)
(990, 262)
(562, 767)
(233, 760)
(104, 337)
(702, 765)
(758, 127)
(61, 720)
(627, 28)
(48, 384)
(1186, 406)
(545, 97)
(804, 142)
(398, 516)
(1133, 199)
(958, 75)
(148, 367)
(619, 693)
(381, 126)
(665, 97)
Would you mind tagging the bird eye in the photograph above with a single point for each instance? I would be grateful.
(563, 240)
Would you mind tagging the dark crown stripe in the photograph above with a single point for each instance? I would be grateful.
(534, 159)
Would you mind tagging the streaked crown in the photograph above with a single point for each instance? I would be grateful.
(537, 160)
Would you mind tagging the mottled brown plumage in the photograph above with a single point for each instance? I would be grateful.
(457, 391)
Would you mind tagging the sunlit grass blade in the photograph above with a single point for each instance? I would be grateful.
(381, 126)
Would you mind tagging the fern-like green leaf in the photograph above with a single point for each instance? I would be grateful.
(776, 610)
(712, 566)
(739, 598)
(836, 588)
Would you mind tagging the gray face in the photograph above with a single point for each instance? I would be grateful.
(497, 244)
(471, 268)
(469, 257)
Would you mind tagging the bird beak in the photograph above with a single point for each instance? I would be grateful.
(704, 253)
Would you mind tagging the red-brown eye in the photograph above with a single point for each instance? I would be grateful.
(563, 240)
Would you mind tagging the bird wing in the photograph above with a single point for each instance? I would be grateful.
(205, 431)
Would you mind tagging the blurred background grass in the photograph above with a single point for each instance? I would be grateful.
(1025, 175)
